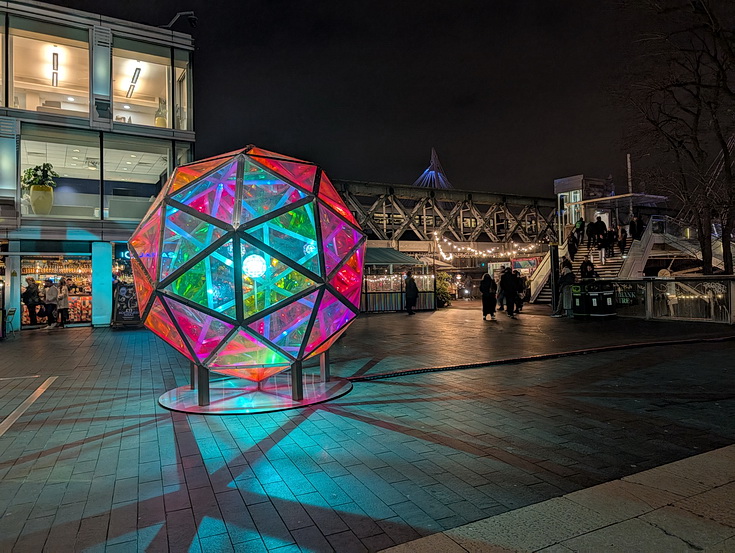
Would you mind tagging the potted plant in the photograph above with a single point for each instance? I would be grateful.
(443, 296)
(38, 182)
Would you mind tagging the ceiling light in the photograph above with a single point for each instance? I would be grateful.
(70, 99)
(55, 61)
(73, 164)
(75, 157)
(125, 168)
(136, 74)
(55, 78)
(92, 168)
(126, 106)
(130, 91)
(75, 150)
(129, 162)
(133, 155)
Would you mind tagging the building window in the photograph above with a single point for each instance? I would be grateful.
(141, 83)
(75, 156)
(135, 170)
(49, 68)
(183, 114)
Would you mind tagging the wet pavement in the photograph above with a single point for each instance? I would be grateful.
(89, 461)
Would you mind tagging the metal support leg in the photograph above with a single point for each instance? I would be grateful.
(297, 381)
(202, 386)
(192, 375)
(324, 366)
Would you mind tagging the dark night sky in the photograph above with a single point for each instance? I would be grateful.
(511, 94)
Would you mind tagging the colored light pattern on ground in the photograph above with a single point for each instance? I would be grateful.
(248, 262)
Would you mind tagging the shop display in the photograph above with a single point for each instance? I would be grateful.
(78, 274)
(248, 262)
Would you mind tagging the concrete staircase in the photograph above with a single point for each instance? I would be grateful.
(610, 269)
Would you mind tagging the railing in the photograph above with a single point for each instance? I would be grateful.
(541, 275)
(697, 299)
(637, 256)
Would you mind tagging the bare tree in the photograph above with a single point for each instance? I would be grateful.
(682, 89)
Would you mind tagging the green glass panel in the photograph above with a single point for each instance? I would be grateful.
(184, 237)
(210, 282)
(293, 235)
(264, 192)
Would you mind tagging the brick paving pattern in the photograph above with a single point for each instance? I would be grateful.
(96, 465)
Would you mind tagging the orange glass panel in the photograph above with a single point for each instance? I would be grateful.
(329, 194)
(255, 151)
(162, 325)
(188, 173)
(143, 287)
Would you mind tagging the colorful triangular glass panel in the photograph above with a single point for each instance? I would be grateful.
(287, 327)
(301, 174)
(210, 282)
(143, 286)
(331, 316)
(264, 192)
(267, 280)
(338, 238)
(329, 194)
(255, 151)
(203, 332)
(214, 196)
(189, 173)
(184, 236)
(244, 350)
(160, 323)
(348, 279)
(146, 241)
(292, 234)
(328, 344)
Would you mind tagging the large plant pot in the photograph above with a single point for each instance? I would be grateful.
(42, 199)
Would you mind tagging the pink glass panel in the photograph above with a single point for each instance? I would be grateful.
(214, 196)
(329, 194)
(204, 333)
(160, 323)
(287, 327)
(245, 350)
(254, 374)
(255, 151)
(189, 173)
(143, 287)
(299, 173)
(348, 279)
(331, 316)
(338, 238)
(264, 192)
(328, 344)
(145, 242)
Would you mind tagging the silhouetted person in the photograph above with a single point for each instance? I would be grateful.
(412, 293)
(509, 286)
(587, 269)
(488, 289)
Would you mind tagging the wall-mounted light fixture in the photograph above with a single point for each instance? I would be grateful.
(54, 67)
(133, 82)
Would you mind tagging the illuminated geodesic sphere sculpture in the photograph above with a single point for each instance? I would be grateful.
(248, 262)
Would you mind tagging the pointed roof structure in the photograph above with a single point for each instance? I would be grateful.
(434, 176)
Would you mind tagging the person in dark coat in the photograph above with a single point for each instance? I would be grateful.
(600, 230)
(622, 239)
(412, 293)
(565, 263)
(31, 298)
(521, 285)
(591, 234)
(587, 269)
(488, 289)
(572, 245)
(509, 286)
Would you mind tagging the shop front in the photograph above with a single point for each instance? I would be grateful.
(76, 270)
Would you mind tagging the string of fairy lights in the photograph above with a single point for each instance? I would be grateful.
(448, 250)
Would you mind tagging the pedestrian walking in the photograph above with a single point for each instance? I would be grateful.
(489, 290)
(565, 281)
(591, 234)
(622, 239)
(579, 230)
(412, 293)
(501, 293)
(509, 287)
(521, 290)
(572, 245)
(31, 299)
(50, 300)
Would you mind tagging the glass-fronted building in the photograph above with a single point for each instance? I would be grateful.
(107, 103)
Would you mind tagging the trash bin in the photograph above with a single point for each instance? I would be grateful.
(580, 300)
(601, 296)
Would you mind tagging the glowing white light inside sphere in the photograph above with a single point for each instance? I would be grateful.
(253, 266)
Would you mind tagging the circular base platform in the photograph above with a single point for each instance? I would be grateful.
(236, 396)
